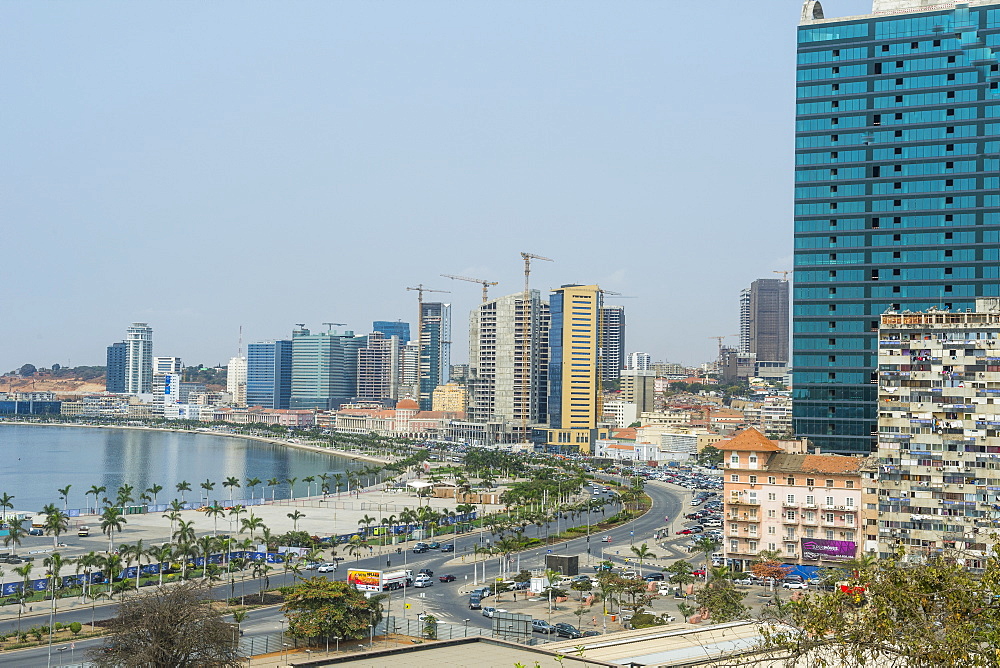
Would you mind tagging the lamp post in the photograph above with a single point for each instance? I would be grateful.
(337, 638)
(466, 621)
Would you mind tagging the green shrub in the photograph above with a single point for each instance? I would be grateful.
(75, 627)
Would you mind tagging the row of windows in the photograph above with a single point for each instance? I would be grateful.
(900, 239)
(896, 222)
(908, 204)
(896, 153)
(945, 132)
(942, 115)
(897, 170)
(897, 274)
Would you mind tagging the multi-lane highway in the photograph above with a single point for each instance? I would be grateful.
(444, 600)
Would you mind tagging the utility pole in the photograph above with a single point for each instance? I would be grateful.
(420, 290)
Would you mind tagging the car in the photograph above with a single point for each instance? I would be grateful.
(313, 565)
(629, 574)
(475, 602)
(655, 577)
(699, 572)
(36, 532)
(13, 560)
(606, 539)
(491, 612)
(542, 626)
(448, 548)
(746, 582)
(422, 581)
(564, 630)
(665, 590)
(326, 568)
(590, 634)
(446, 578)
(434, 546)
(794, 585)
(425, 571)
(684, 532)
(419, 549)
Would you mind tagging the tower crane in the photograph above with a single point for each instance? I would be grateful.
(784, 274)
(329, 325)
(486, 284)
(420, 290)
(528, 257)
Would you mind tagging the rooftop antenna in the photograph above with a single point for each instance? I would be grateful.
(329, 325)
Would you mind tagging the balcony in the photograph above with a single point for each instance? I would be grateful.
(810, 506)
(743, 502)
(813, 522)
(785, 520)
(789, 504)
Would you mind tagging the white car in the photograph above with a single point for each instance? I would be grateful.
(326, 568)
(423, 581)
(794, 585)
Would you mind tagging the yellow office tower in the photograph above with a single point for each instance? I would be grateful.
(574, 385)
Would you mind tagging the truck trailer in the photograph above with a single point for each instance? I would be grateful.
(371, 580)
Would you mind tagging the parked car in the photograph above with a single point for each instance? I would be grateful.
(684, 532)
(326, 568)
(36, 532)
(542, 626)
(564, 630)
(490, 612)
(699, 572)
(655, 577)
(743, 581)
(590, 634)
(794, 585)
(313, 565)
(446, 578)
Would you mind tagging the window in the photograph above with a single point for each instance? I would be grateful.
(753, 479)
(790, 515)
(829, 500)
(790, 480)
(734, 478)
(734, 545)
(829, 483)
(849, 484)
(770, 530)
(810, 500)
(810, 482)
(849, 519)
(771, 480)
(752, 545)
(734, 459)
(770, 496)
(753, 459)
(771, 514)
(790, 547)
(850, 502)
(791, 498)
(829, 518)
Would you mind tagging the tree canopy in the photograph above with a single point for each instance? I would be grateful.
(318, 607)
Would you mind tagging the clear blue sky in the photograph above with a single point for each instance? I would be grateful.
(201, 166)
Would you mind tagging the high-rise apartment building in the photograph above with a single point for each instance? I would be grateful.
(896, 203)
(612, 342)
(269, 374)
(324, 368)
(393, 328)
(508, 360)
(117, 363)
(639, 361)
(139, 359)
(639, 387)
(435, 349)
(574, 383)
(764, 320)
(938, 433)
(380, 368)
(236, 380)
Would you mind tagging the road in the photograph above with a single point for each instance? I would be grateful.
(443, 600)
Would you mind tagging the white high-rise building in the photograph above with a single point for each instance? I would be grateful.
(139, 359)
(639, 361)
(236, 380)
(167, 365)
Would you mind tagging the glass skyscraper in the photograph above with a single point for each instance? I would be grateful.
(269, 374)
(393, 328)
(117, 362)
(896, 202)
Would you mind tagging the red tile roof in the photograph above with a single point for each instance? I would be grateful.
(748, 440)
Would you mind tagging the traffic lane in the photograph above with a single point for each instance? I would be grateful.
(62, 654)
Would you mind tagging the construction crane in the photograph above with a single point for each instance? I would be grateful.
(784, 274)
(528, 257)
(486, 284)
(720, 340)
(420, 290)
(330, 325)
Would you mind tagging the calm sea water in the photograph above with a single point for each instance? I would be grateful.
(35, 461)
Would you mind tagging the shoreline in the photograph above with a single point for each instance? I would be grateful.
(263, 439)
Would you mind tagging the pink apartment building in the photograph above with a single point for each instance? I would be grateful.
(807, 508)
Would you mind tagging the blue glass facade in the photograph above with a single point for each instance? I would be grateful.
(555, 385)
(393, 328)
(269, 374)
(117, 362)
(896, 201)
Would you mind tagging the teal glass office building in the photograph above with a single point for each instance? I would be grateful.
(897, 207)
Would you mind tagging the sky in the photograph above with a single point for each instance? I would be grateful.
(207, 166)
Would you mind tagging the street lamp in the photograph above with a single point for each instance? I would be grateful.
(467, 627)
(337, 638)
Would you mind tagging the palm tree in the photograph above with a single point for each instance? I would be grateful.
(309, 480)
(251, 524)
(208, 486)
(367, 520)
(173, 516)
(25, 573)
(6, 503)
(128, 553)
(643, 553)
(154, 490)
(324, 478)
(390, 523)
(707, 546)
(124, 496)
(64, 495)
(215, 511)
(56, 523)
(272, 483)
(162, 554)
(295, 517)
(251, 483)
(291, 487)
(112, 520)
(55, 562)
(15, 532)
(184, 537)
(96, 491)
(112, 563)
(206, 545)
(355, 546)
(86, 563)
(338, 479)
(235, 513)
(231, 482)
(183, 486)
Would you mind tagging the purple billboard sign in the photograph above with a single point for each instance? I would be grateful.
(830, 550)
